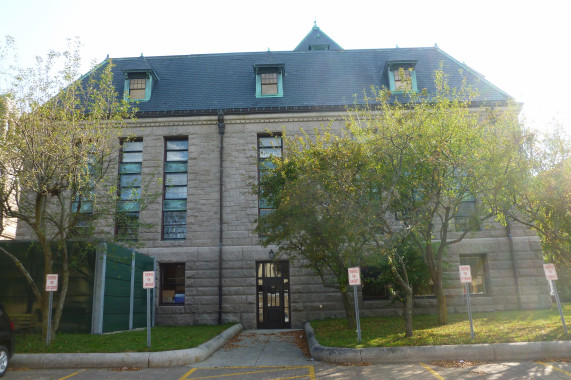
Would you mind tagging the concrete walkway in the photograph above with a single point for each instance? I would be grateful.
(252, 348)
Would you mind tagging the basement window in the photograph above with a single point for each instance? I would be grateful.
(172, 284)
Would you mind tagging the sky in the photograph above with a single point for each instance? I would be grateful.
(522, 47)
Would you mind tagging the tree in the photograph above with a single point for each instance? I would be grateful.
(448, 153)
(542, 200)
(406, 165)
(62, 136)
(330, 198)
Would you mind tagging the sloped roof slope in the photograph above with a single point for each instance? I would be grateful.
(312, 79)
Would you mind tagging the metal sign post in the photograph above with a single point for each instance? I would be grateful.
(551, 276)
(466, 279)
(355, 280)
(149, 283)
(51, 287)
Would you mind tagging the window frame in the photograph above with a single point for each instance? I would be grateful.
(260, 70)
(467, 220)
(407, 66)
(167, 186)
(135, 75)
(131, 210)
(483, 272)
(176, 284)
(260, 160)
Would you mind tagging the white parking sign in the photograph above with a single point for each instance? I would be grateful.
(550, 272)
(149, 280)
(51, 282)
(465, 274)
(355, 276)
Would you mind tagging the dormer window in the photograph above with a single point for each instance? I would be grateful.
(139, 85)
(402, 76)
(269, 81)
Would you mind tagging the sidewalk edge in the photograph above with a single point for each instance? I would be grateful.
(415, 354)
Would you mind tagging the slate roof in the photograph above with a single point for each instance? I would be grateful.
(313, 80)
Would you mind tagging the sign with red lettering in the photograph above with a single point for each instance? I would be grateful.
(149, 280)
(465, 274)
(355, 276)
(550, 272)
(51, 282)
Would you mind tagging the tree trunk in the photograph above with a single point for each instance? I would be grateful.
(441, 302)
(64, 284)
(349, 310)
(408, 304)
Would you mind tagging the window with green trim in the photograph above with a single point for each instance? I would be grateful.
(175, 189)
(402, 77)
(269, 81)
(130, 167)
(138, 86)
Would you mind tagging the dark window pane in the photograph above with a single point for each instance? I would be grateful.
(172, 283)
(128, 206)
(174, 205)
(176, 167)
(130, 168)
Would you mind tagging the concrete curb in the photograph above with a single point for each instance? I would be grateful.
(415, 354)
(127, 359)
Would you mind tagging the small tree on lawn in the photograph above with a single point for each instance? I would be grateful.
(62, 134)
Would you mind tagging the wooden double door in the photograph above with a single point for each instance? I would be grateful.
(272, 283)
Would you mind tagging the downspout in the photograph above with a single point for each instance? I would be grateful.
(221, 128)
(514, 262)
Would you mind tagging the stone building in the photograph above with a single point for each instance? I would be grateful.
(203, 124)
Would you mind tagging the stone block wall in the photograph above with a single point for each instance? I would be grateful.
(240, 248)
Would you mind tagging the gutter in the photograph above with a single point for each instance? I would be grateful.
(221, 129)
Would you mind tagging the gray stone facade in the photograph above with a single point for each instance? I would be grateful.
(240, 249)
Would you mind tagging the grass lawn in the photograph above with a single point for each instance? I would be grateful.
(496, 327)
(162, 339)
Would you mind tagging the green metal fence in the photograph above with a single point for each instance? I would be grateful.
(105, 291)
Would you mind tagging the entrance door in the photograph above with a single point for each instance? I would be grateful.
(273, 294)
